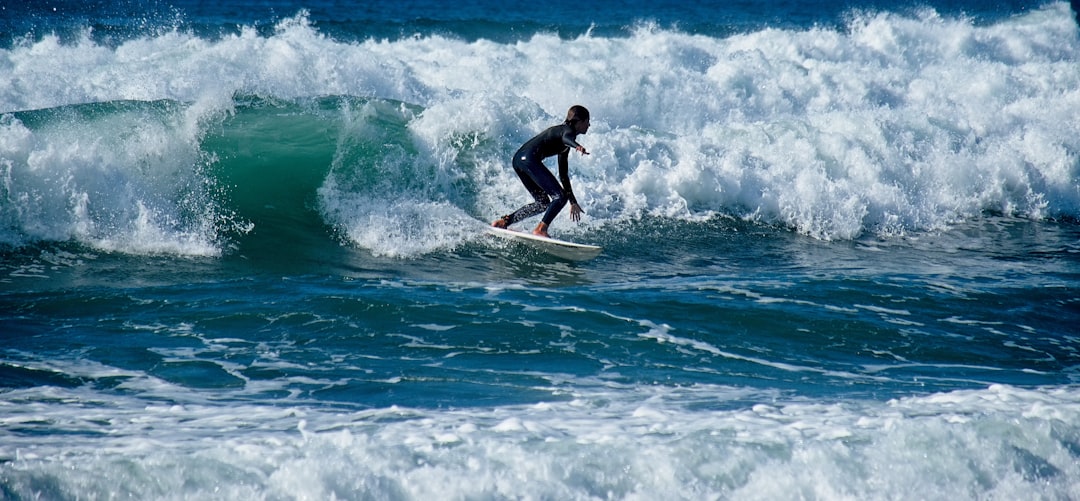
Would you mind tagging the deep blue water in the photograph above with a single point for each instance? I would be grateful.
(242, 251)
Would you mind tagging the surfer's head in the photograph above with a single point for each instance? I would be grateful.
(578, 117)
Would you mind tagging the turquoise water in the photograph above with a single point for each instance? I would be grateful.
(242, 254)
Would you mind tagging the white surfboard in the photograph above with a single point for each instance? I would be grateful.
(555, 247)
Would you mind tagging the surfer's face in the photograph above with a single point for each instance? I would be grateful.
(582, 126)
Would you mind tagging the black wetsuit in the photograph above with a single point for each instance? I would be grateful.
(550, 195)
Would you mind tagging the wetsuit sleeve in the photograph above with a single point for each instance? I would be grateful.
(569, 138)
(564, 175)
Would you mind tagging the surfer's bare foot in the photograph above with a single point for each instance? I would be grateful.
(541, 231)
(502, 222)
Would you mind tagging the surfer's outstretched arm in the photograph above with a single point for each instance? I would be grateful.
(564, 178)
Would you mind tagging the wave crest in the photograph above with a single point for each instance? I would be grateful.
(895, 124)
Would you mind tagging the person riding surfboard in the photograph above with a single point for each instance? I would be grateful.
(549, 195)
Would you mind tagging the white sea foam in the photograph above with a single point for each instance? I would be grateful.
(629, 443)
(124, 181)
(891, 126)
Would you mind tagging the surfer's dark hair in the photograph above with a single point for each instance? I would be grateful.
(577, 113)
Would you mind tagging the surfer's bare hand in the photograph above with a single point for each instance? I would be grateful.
(581, 149)
(575, 213)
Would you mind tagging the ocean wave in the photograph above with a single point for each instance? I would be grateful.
(122, 176)
(650, 441)
(894, 124)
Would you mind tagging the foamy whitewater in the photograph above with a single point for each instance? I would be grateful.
(242, 253)
(893, 125)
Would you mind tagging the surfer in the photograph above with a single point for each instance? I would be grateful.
(550, 196)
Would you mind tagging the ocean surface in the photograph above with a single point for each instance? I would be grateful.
(242, 251)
